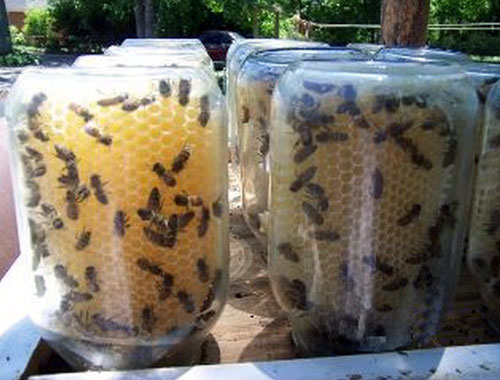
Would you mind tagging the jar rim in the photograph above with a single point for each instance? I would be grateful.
(378, 68)
(286, 56)
(424, 53)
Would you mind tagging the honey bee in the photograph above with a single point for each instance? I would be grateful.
(376, 264)
(325, 235)
(33, 153)
(408, 146)
(31, 170)
(163, 238)
(304, 153)
(186, 301)
(203, 271)
(317, 87)
(107, 324)
(40, 135)
(329, 136)
(165, 286)
(94, 132)
(312, 213)
(181, 159)
(410, 216)
(34, 196)
(113, 101)
(305, 135)
(35, 103)
(120, 223)
(245, 115)
(205, 218)
(218, 207)
(64, 154)
(303, 178)
(184, 91)
(149, 266)
(72, 210)
(398, 283)
(82, 193)
(152, 212)
(81, 111)
(98, 186)
(147, 100)
(91, 279)
(50, 212)
(73, 297)
(105, 140)
(40, 286)
(204, 115)
(23, 137)
(61, 273)
(294, 293)
(130, 105)
(377, 184)
(424, 278)
(287, 251)
(165, 88)
(390, 102)
(184, 219)
(83, 240)
(164, 174)
(209, 299)
(348, 92)
(148, 318)
(323, 204)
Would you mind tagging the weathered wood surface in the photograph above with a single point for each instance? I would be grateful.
(404, 22)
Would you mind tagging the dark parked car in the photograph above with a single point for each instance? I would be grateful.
(217, 43)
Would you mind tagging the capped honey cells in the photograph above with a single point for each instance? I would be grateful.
(124, 206)
(366, 229)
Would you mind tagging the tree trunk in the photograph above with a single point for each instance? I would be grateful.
(255, 21)
(404, 22)
(140, 19)
(5, 41)
(149, 18)
(277, 24)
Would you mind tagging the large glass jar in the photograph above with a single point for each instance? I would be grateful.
(176, 43)
(256, 80)
(172, 52)
(121, 182)
(366, 233)
(236, 56)
(421, 55)
(483, 256)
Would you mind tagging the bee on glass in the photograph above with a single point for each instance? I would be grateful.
(181, 159)
(205, 218)
(164, 174)
(165, 88)
(91, 279)
(204, 115)
(120, 223)
(113, 101)
(184, 92)
(81, 111)
(83, 240)
(98, 186)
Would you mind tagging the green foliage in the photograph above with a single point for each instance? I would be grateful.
(20, 56)
(17, 37)
(38, 23)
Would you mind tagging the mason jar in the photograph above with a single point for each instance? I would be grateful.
(256, 80)
(421, 55)
(366, 232)
(179, 55)
(234, 60)
(483, 256)
(121, 183)
(176, 43)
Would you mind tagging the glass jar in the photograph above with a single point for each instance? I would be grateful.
(370, 49)
(366, 232)
(121, 184)
(256, 80)
(176, 43)
(236, 55)
(483, 257)
(171, 52)
(421, 55)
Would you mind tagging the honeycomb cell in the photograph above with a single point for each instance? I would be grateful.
(111, 265)
(360, 275)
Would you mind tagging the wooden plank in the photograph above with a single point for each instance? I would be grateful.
(471, 362)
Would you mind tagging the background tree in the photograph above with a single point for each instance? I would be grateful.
(5, 42)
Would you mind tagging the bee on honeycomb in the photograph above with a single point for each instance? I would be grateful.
(378, 262)
(106, 288)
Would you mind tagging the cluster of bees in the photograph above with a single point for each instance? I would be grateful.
(160, 229)
(314, 128)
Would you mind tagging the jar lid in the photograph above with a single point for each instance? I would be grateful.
(163, 42)
(286, 56)
(100, 60)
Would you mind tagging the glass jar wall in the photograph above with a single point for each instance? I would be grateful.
(256, 80)
(483, 256)
(421, 55)
(366, 233)
(121, 183)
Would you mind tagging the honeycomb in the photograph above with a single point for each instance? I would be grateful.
(483, 256)
(256, 82)
(123, 253)
(368, 191)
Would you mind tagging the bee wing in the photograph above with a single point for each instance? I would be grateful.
(154, 201)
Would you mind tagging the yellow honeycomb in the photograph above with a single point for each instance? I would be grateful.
(372, 265)
(101, 276)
